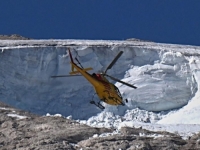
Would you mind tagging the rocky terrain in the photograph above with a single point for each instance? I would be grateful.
(25, 131)
(13, 37)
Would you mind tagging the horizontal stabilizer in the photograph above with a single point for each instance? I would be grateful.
(76, 72)
(64, 76)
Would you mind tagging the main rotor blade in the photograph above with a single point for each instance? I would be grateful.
(127, 84)
(114, 61)
(64, 76)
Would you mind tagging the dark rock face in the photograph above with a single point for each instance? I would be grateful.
(22, 130)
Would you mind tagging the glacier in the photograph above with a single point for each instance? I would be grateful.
(167, 77)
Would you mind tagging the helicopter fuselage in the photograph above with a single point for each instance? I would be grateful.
(106, 91)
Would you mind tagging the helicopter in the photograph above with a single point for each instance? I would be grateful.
(106, 91)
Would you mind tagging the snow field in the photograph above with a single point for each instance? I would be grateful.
(167, 77)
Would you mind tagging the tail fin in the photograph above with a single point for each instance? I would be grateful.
(72, 65)
(72, 61)
(70, 55)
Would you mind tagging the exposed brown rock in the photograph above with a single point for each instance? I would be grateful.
(43, 132)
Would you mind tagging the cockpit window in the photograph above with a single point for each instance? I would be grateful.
(117, 90)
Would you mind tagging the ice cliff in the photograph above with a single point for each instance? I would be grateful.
(165, 74)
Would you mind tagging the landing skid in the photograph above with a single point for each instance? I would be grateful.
(98, 104)
(122, 104)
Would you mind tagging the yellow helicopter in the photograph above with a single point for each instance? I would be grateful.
(106, 91)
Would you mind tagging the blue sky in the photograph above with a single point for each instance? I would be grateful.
(166, 21)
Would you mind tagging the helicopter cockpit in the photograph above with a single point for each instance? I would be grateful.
(118, 92)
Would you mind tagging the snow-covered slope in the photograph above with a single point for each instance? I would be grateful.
(167, 77)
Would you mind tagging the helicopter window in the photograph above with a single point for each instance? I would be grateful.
(117, 90)
(96, 76)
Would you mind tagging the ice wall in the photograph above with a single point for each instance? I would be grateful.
(160, 71)
(189, 114)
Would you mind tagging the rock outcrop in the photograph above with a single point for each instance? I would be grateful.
(23, 130)
(13, 37)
